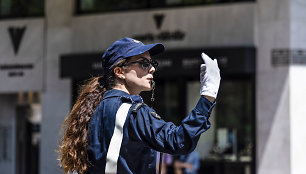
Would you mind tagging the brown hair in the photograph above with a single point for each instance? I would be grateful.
(72, 150)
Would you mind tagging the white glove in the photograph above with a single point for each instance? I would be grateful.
(209, 77)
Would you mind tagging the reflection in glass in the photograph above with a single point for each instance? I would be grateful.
(234, 114)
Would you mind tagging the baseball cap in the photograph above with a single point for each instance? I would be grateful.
(127, 47)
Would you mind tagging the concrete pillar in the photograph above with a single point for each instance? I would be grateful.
(56, 96)
(298, 88)
(280, 113)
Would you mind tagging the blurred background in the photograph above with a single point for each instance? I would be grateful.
(48, 48)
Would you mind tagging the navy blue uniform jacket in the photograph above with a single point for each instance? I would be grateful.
(132, 148)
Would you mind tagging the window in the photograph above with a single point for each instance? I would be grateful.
(93, 6)
(87, 6)
(234, 129)
(229, 145)
(21, 8)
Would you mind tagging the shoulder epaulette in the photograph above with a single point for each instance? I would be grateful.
(137, 106)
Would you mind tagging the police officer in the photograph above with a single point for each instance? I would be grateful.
(111, 130)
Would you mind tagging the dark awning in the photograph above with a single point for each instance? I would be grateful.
(172, 63)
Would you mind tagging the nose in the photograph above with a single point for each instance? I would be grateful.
(152, 69)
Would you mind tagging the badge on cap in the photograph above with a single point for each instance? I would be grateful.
(155, 115)
(136, 41)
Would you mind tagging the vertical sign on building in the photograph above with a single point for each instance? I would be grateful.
(21, 59)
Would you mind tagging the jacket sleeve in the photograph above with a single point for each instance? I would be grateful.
(147, 128)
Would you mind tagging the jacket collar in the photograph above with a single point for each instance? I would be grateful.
(123, 95)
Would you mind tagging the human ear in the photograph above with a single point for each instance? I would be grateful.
(119, 72)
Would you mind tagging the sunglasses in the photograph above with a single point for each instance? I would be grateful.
(145, 63)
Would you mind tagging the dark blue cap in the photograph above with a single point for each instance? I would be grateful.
(127, 47)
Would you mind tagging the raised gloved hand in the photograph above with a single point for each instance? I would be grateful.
(209, 77)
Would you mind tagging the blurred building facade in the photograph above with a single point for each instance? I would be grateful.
(48, 48)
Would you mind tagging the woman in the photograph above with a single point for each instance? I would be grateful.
(111, 130)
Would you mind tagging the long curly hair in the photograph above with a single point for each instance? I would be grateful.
(72, 151)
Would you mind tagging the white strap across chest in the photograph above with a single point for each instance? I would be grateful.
(116, 140)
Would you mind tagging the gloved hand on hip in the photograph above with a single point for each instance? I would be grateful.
(209, 77)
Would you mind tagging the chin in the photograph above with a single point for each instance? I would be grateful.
(147, 88)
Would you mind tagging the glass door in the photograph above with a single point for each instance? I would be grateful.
(228, 147)
(233, 151)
